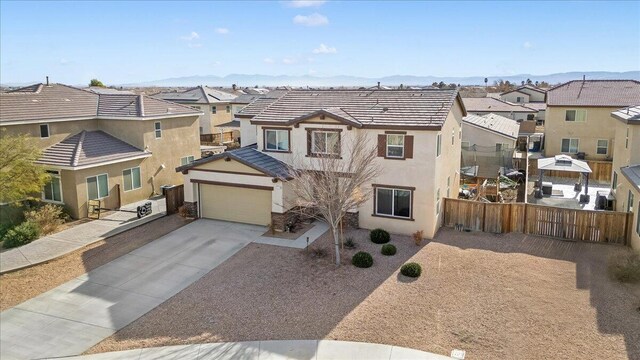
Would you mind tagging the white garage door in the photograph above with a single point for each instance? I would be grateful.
(245, 205)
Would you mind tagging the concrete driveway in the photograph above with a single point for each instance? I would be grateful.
(75, 316)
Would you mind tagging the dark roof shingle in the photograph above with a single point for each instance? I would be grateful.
(606, 93)
(489, 104)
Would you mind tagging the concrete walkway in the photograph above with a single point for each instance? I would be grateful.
(272, 350)
(318, 228)
(73, 317)
(64, 242)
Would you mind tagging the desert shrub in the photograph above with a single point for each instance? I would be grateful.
(183, 211)
(362, 259)
(418, 236)
(625, 268)
(411, 269)
(388, 250)
(379, 236)
(4, 229)
(47, 218)
(349, 243)
(318, 252)
(21, 235)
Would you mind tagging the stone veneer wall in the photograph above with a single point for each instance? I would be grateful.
(192, 208)
(350, 220)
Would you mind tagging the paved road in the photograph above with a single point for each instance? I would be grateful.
(272, 350)
(71, 318)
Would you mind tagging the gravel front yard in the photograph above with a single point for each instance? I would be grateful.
(22, 285)
(508, 297)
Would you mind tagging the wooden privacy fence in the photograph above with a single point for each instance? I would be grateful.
(568, 224)
(174, 196)
(216, 138)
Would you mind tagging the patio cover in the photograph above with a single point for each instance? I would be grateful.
(564, 163)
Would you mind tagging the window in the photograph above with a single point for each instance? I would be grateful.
(638, 221)
(325, 142)
(131, 179)
(52, 190)
(626, 140)
(453, 137)
(276, 140)
(438, 202)
(98, 186)
(518, 99)
(630, 202)
(614, 182)
(465, 144)
(201, 130)
(214, 110)
(44, 131)
(158, 129)
(575, 115)
(187, 160)
(501, 147)
(393, 202)
(395, 145)
(438, 145)
(602, 147)
(569, 146)
(228, 108)
(460, 134)
(448, 185)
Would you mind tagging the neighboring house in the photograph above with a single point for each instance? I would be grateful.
(107, 90)
(417, 134)
(488, 105)
(530, 96)
(578, 118)
(625, 184)
(216, 105)
(248, 131)
(118, 148)
(489, 130)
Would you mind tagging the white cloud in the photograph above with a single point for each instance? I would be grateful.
(324, 49)
(314, 19)
(289, 61)
(268, 60)
(222, 31)
(193, 36)
(527, 45)
(194, 45)
(305, 3)
(64, 61)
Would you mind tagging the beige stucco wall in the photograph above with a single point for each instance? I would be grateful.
(622, 204)
(229, 166)
(534, 96)
(58, 131)
(482, 137)
(598, 125)
(513, 97)
(248, 133)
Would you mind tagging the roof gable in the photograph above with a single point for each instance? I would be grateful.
(337, 114)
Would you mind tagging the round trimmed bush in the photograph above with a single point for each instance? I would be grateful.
(21, 235)
(411, 270)
(379, 236)
(388, 249)
(362, 260)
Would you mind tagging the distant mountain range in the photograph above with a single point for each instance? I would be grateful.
(243, 80)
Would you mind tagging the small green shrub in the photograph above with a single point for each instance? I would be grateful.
(4, 229)
(349, 243)
(48, 218)
(21, 235)
(362, 260)
(625, 268)
(411, 270)
(379, 236)
(388, 249)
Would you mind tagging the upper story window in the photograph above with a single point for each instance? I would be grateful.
(276, 139)
(395, 145)
(614, 182)
(439, 145)
(575, 115)
(325, 142)
(187, 160)
(44, 131)
(501, 146)
(158, 129)
(214, 109)
(228, 108)
(518, 99)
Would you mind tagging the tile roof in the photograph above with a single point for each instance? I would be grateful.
(496, 123)
(385, 108)
(526, 86)
(197, 95)
(629, 115)
(250, 156)
(260, 103)
(106, 90)
(489, 104)
(607, 93)
(57, 101)
(89, 148)
(540, 106)
(632, 173)
(235, 123)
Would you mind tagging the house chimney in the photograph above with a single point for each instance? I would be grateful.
(233, 86)
(378, 84)
(47, 81)
(401, 86)
(584, 77)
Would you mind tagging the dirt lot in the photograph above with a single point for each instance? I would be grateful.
(21, 285)
(497, 297)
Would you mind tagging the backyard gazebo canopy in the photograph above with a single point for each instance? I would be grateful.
(564, 163)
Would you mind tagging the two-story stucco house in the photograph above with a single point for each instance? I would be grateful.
(578, 118)
(489, 130)
(530, 96)
(625, 182)
(490, 105)
(216, 106)
(416, 133)
(117, 148)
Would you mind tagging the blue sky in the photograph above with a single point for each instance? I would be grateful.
(124, 42)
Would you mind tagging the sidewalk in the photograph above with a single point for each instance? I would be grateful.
(275, 349)
(64, 242)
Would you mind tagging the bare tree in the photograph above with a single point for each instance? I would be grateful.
(327, 187)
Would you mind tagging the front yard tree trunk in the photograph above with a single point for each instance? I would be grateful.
(336, 242)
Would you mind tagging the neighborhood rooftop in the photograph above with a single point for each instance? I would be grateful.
(57, 101)
(89, 148)
(489, 104)
(632, 173)
(404, 108)
(609, 93)
(526, 86)
(198, 95)
(629, 115)
(496, 123)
